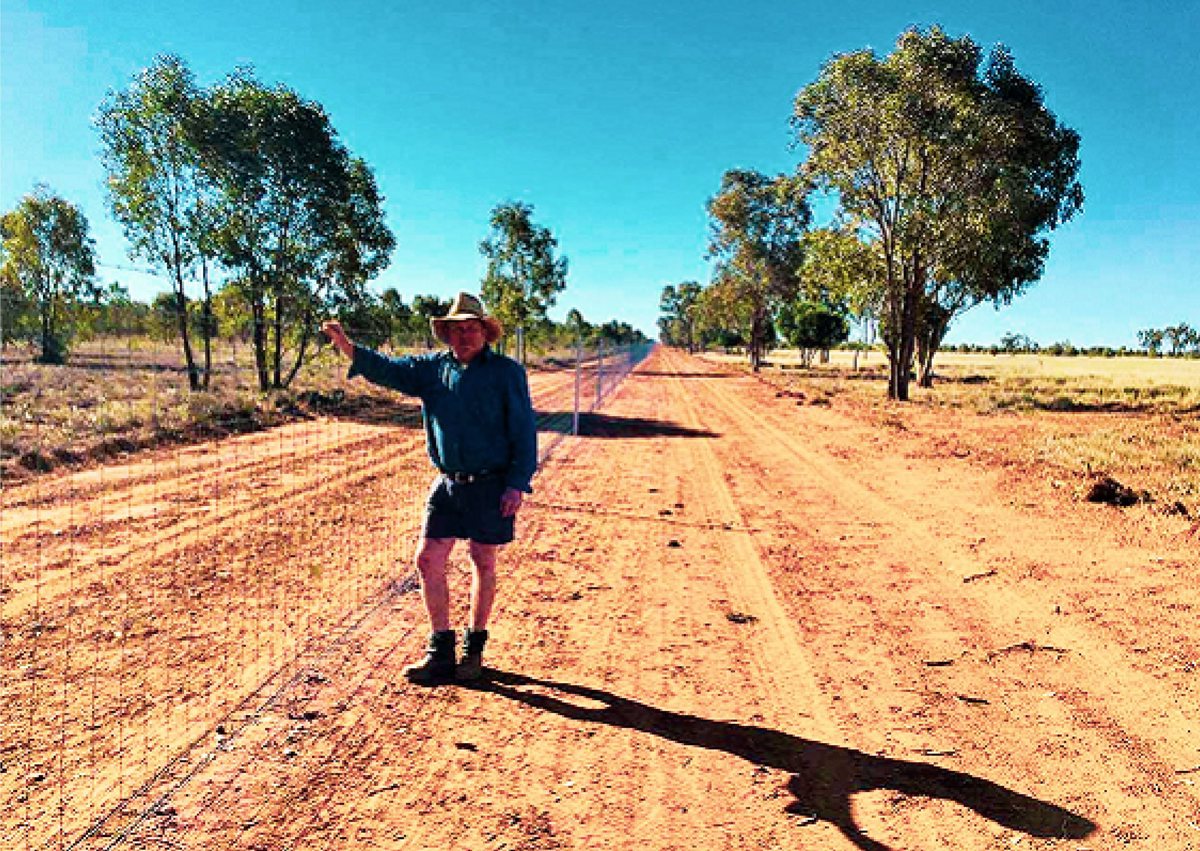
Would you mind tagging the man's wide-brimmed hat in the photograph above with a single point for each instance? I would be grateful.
(466, 306)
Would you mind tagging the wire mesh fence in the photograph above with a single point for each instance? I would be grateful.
(169, 567)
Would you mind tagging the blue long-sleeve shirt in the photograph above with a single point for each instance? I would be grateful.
(478, 417)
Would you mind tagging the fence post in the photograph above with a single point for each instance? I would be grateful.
(578, 382)
(600, 372)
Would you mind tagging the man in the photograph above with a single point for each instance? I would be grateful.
(482, 437)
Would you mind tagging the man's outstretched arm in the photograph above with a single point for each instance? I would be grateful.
(333, 330)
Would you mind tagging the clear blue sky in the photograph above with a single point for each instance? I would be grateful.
(615, 120)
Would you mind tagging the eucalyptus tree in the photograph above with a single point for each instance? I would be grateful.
(1179, 338)
(370, 319)
(425, 308)
(1151, 339)
(841, 269)
(299, 221)
(158, 191)
(619, 333)
(757, 238)
(113, 312)
(678, 306)
(524, 275)
(812, 326)
(49, 263)
(951, 164)
(1013, 343)
(399, 315)
(576, 329)
(18, 312)
(721, 314)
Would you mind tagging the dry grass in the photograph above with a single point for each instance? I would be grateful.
(990, 383)
(117, 396)
(1065, 418)
(1135, 419)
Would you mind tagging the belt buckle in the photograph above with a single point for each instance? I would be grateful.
(468, 478)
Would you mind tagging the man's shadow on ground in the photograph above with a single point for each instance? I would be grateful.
(824, 777)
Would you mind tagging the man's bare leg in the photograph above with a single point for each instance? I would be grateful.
(438, 663)
(483, 593)
(483, 583)
(435, 589)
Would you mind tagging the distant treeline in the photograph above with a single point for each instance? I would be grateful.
(381, 321)
(1175, 341)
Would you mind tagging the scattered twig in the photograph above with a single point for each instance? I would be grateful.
(383, 789)
(973, 577)
(738, 617)
(978, 701)
(1192, 770)
(934, 752)
(1029, 647)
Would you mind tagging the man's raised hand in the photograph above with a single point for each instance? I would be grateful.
(333, 330)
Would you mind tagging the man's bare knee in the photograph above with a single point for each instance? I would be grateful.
(434, 553)
(483, 556)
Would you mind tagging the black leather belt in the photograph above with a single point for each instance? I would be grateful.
(470, 478)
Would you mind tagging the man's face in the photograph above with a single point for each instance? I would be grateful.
(466, 339)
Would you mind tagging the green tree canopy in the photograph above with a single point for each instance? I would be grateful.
(678, 306)
(757, 238)
(252, 181)
(426, 307)
(950, 163)
(619, 333)
(112, 312)
(1179, 337)
(812, 327)
(840, 268)
(18, 313)
(524, 276)
(723, 315)
(299, 221)
(398, 316)
(577, 329)
(156, 187)
(49, 264)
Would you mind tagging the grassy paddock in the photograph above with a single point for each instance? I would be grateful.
(120, 395)
(116, 396)
(1136, 419)
(1142, 371)
(1028, 382)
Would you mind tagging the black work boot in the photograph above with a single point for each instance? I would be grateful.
(438, 664)
(471, 665)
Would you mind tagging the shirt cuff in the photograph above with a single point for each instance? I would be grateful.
(526, 487)
(355, 363)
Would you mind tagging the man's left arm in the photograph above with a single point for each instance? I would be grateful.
(521, 428)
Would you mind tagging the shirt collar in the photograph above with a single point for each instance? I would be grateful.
(485, 354)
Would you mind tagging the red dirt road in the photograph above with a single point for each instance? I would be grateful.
(729, 622)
